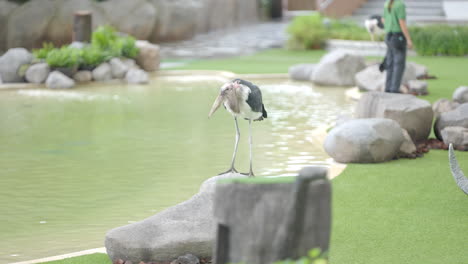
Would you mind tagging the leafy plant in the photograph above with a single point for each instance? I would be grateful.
(307, 32)
(129, 49)
(92, 57)
(44, 51)
(311, 32)
(440, 40)
(112, 45)
(64, 57)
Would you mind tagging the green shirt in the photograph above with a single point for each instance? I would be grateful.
(398, 11)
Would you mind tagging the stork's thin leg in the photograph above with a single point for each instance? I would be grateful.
(232, 169)
(251, 174)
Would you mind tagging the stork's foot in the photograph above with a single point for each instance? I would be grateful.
(250, 174)
(231, 170)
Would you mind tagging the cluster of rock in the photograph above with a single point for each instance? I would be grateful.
(336, 68)
(29, 24)
(388, 126)
(451, 124)
(341, 68)
(19, 65)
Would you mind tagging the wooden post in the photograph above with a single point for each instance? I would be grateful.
(82, 26)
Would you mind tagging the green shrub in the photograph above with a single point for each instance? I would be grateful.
(92, 57)
(307, 32)
(111, 44)
(440, 40)
(64, 57)
(311, 32)
(42, 53)
(129, 49)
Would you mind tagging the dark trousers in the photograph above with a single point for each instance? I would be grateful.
(395, 61)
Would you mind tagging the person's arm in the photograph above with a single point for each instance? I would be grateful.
(405, 31)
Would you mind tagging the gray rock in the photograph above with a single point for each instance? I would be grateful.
(365, 141)
(338, 68)
(370, 79)
(136, 76)
(416, 71)
(83, 76)
(443, 105)
(186, 227)
(301, 72)
(186, 259)
(37, 73)
(458, 136)
(1, 81)
(102, 72)
(78, 45)
(28, 24)
(136, 17)
(417, 87)
(130, 63)
(457, 173)
(6, 7)
(118, 68)
(11, 62)
(457, 118)
(413, 114)
(148, 56)
(58, 80)
(269, 220)
(461, 95)
(407, 147)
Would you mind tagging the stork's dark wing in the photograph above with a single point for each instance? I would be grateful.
(255, 97)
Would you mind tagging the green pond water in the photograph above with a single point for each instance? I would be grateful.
(74, 164)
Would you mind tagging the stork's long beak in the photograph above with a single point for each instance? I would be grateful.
(217, 103)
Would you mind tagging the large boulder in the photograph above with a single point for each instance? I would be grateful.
(27, 24)
(338, 68)
(58, 80)
(37, 73)
(102, 72)
(148, 56)
(11, 62)
(413, 114)
(301, 72)
(137, 76)
(458, 136)
(417, 87)
(454, 118)
(83, 76)
(118, 68)
(184, 228)
(365, 141)
(461, 95)
(371, 79)
(6, 7)
(443, 105)
(136, 17)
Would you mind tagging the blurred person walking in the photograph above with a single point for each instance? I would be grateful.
(398, 40)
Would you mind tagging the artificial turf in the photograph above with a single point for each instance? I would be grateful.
(403, 211)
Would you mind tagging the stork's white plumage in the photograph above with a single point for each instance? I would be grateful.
(242, 99)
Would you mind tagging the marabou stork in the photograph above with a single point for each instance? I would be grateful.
(242, 99)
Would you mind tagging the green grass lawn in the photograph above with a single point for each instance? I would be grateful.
(97, 258)
(403, 211)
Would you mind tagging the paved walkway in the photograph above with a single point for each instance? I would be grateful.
(234, 42)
